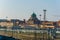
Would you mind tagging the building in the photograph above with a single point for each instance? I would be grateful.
(33, 20)
(47, 24)
(58, 23)
(5, 23)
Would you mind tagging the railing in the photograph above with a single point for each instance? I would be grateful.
(27, 34)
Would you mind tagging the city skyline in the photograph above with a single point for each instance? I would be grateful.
(22, 9)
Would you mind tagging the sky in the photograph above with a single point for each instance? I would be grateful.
(22, 9)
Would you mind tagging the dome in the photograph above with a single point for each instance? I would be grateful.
(33, 15)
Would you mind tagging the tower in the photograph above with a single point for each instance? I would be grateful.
(44, 14)
(44, 18)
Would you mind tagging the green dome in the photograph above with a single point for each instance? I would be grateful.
(33, 15)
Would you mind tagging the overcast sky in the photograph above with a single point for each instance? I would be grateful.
(22, 9)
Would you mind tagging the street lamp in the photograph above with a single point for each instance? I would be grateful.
(40, 17)
(40, 23)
